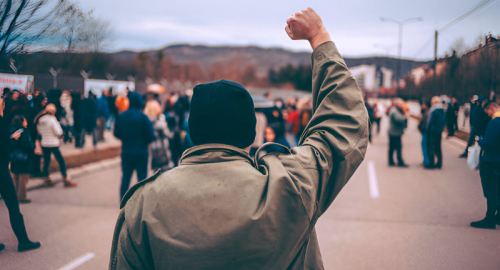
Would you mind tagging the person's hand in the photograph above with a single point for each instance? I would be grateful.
(16, 135)
(307, 25)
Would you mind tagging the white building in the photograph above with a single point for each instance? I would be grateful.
(371, 78)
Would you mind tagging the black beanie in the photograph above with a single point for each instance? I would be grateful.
(222, 112)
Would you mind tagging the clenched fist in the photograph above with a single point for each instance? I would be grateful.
(307, 25)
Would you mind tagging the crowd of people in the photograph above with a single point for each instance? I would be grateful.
(441, 113)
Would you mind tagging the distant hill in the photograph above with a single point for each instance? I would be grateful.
(262, 58)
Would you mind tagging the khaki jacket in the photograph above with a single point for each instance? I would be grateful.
(221, 210)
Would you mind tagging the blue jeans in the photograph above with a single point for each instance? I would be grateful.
(425, 153)
(131, 163)
(110, 122)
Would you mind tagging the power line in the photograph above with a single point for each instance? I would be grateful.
(457, 20)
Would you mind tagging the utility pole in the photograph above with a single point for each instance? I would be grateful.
(436, 34)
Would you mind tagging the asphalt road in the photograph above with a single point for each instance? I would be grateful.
(385, 218)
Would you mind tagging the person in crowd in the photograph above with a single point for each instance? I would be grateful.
(474, 118)
(260, 130)
(54, 97)
(102, 115)
(11, 100)
(121, 101)
(371, 116)
(270, 136)
(220, 201)
(49, 129)
(5, 92)
(21, 152)
(76, 106)
(452, 117)
(39, 103)
(305, 114)
(168, 106)
(89, 116)
(7, 189)
(275, 117)
(378, 112)
(397, 125)
(67, 121)
(489, 168)
(161, 157)
(435, 127)
(113, 111)
(152, 108)
(268, 96)
(181, 107)
(136, 132)
(422, 127)
(175, 141)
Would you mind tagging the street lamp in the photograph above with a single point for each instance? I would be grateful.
(400, 41)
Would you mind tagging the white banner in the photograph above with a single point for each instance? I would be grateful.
(23, 83)
(97, 86)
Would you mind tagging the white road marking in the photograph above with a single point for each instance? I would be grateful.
(78, 261)
(372, 179)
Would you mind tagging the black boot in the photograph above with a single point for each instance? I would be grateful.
(486, 223)
(2, 246)
(28, 246)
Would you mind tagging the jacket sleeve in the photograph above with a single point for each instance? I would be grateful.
(123, 255)
(490, 138)
(56, 128)
(334, 142)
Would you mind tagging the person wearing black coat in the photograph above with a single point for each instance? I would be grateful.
(76, 106)
(435, 127)
(39, 103)
(89, 116)
(7, 189)
(22, 150)
(451, 117)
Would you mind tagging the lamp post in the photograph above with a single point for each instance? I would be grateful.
(54, 73)
(400, 39)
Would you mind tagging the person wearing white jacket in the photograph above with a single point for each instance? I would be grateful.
(49, 129)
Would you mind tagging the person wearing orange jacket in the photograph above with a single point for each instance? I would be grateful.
(122, 101)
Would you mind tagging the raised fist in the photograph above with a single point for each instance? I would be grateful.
(307, 25)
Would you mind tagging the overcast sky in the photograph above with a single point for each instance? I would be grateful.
(354, 25)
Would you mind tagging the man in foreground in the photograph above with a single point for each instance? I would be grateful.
(220, 210)
(489, 168)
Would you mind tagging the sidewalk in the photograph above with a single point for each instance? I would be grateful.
(76, 157)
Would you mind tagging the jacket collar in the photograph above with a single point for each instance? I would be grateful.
(211, 153)
(495, 115)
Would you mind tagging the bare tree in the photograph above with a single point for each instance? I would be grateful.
(458, 46)
(73, 23)
(98, 34)
(25, 22)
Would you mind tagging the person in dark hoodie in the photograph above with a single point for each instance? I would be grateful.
(136, 132)
(435, 127)
(76, 106)
(489, 168)
(7, 189)
(89, 116)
